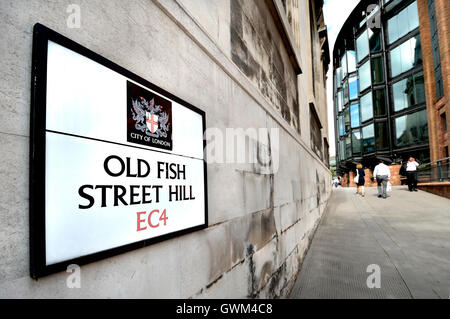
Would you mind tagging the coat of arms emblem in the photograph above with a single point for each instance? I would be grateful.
(149, 118)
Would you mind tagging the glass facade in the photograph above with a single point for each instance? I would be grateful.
(403, 23)
(353, 87)
(362, 46)
(364, 76)
(408, 92)
(379, 103)
(354, 115)
(406, 56)
(377, 70)
(379, 86)
(368, 138)
(356, 142)
(411, 129)
(381, 135)
(366, 107)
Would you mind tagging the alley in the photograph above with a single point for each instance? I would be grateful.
(407, 235)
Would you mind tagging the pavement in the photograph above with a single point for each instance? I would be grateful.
(406, 237)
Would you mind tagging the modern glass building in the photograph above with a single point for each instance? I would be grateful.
(379, 93)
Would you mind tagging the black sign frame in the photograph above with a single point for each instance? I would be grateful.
(38, 268)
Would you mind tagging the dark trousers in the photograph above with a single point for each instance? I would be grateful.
(412, 180)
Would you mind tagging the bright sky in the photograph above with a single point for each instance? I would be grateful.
(335, 13)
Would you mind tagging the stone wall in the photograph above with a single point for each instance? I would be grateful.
(260, 224)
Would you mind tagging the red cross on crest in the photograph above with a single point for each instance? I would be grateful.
(152, 122)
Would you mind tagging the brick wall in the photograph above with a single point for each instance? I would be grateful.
(396, 178)
(438, 138)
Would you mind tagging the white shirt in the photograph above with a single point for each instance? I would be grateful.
(381, 170)
(412, 166)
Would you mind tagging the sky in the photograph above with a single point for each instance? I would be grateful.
(335, 13)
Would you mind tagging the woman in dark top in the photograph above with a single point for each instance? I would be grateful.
(361, 180)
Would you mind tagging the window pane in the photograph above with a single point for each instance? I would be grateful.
(406, 56)
(353, 87)
(339, 77)
(381, 134)
(377, 70)
(366, 107)
(341, 125)
(368, 138)
(408, 92)
(348, 147)
(413, 16)
(411, 129)
(340, 101)
(356, 142)
(379, 105)
(354, 114)
(344, 66)
(351, 61)
(347, 120)
(375, 40)
(419, 88)
(345, 91)
(364, 76)
(362, 46)
(393, 29)
(403, 23)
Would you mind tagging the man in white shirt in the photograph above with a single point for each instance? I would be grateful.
(411, 174)
(382, 175)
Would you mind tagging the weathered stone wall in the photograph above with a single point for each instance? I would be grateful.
(260, 225)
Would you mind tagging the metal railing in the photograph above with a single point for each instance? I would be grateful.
(438, 171)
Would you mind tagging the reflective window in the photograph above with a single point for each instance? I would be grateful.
(347, 120)
(411, 129)
(366, 107)
(353, 87)
(368, 135)
(362, 46)
(403, 23)
(356, 142)
(364, 76)
(340, 102)
(354, 115)
(374, 40)
(408, 92)
(406, 56)
(381, 135)
(344, 66)
(339, 77)
(348, 147)
(345, 91)
(379, 103)
(377, 70)
(351, 61)
(341, 125)
(342, 150)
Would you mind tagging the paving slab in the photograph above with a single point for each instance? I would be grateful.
(406, 235)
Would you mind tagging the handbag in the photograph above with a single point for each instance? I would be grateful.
(389, 187)
(356, 179)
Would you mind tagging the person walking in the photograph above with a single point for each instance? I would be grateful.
(382, 174)
(361, 180)
(411, 174)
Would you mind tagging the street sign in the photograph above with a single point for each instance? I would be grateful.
(116, 162)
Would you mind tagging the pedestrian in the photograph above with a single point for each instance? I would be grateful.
(411, 174)
(361, 180)
(336, 182)
(382, 174)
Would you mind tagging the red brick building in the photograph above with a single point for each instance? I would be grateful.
(434, 17)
